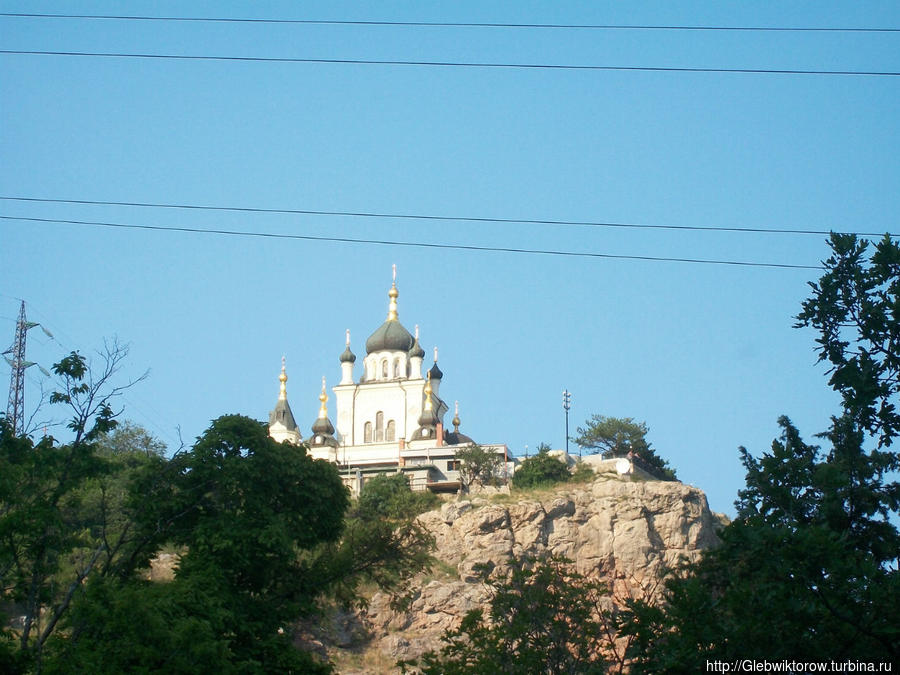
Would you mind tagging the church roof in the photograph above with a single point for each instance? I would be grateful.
(348, 356)
(283, 414)
(456, 438)
(417, 351)
(323, 427)
(390, 336)
(435, 372)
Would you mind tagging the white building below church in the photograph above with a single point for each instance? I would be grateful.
(390, 419)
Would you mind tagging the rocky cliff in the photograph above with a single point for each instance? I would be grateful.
(615, 529)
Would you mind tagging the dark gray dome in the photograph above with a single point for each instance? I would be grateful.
(390, 336)
(348, 356)
(436, 373)
(323, 427)
(416, 351)
(428, 418)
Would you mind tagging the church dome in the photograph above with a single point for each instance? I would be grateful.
(417, 351)
(323, 427)
(390, 336)
(348, 356)
(435, 372)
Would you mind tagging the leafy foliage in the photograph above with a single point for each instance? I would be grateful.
(390, 496)
(541, 469)
(129, 441)
(583, 473)
(809, 568)
(141, 626)
(798, 574)
(543, 618)
(620, 436)
(478, 466)
(382, 542)
(261, 524)
(55, 529)
(855, 307)
(245, 506)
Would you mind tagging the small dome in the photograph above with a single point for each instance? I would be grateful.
(390, 336)
(348, 356)
(435, 372)
(416, 351)
(428, 418)
(323, 427)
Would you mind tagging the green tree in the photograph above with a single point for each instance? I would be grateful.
(855, 307)
(245, 506)
(266, 540)
(262, 526)
(797, 575)
(126, 626)
(541, 469)
(50, 540)
(383, 543)
(129, 440)
(245, 509)
(809, 568)
(478, 466)
(542, 618)
(621, 436)
(390, 496)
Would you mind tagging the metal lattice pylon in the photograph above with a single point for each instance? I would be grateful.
(15, 356)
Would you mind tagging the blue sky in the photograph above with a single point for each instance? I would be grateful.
(705, 354)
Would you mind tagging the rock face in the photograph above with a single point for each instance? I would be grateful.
(621, 531)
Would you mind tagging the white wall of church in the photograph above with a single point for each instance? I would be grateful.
(281, 433)
(385, 365)
(399, 401)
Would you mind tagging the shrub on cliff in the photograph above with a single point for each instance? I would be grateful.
(390, 496)
(542, 469)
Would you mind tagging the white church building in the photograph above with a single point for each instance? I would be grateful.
(390, 419)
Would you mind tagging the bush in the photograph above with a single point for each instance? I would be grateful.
(478, 466)
(543, 617)
(583, 473)
(389, 496)
(542, 469)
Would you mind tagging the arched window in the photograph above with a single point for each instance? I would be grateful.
(390, 432)
(367, 433)
(384, 369)
(396, 368)
(379, 427)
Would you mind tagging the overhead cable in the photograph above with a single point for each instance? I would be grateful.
(454, 24)
(451, 64)
(466, 219)
(388, 242)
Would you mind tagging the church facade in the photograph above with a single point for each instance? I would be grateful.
(389, 419)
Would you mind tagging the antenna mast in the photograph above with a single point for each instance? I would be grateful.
(15, 356)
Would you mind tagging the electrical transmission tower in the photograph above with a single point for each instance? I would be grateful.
(15, 357)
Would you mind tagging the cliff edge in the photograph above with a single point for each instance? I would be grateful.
(618, 530)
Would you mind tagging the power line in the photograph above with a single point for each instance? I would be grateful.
(389, 242)
(411, 216)
(455, 24)
(452, 64)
